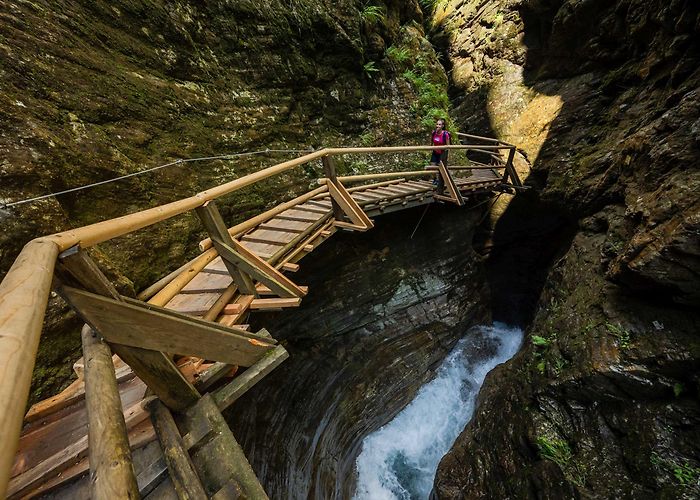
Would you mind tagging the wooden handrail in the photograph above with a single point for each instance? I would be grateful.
(482, 138)
(25, 290)
(24, 294)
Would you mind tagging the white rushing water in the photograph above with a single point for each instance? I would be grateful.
(399, 460)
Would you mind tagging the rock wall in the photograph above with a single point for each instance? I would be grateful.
(93, 90)
(602, 100)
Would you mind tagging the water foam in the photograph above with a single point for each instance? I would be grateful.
(399, 460)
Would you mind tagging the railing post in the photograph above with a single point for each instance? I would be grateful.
(329, 170)
(214, 224)
(510, 169)
(111, 468)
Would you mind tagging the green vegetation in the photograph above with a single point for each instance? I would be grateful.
(398, 55)
(433, 102)
(373, 14)
(559, 452)
(678, 389)
(429, 6)
(556, 450)
(540, 341)
(370, 68)
(622, 335)
(685, 473)
(367, 138)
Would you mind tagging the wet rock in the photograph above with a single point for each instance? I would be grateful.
(382, 312)
(602, 401)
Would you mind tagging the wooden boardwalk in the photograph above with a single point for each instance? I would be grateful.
(201, 312)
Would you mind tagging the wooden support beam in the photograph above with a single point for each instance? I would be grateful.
(265, 290)
(221, 303)
(349, 206)
(156, 369)
(226, 396)
(161, 330)
(182, 472)
(210, 216)
(274, 303)
(329, 170)
(259, 269)
(219, 458)
(455, 195)
(111, 468)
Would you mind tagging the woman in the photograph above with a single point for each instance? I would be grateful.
(440, 137)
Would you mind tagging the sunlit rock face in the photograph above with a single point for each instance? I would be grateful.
(382, 313)
(602, 99)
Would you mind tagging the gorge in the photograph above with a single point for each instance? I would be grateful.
(598, 262)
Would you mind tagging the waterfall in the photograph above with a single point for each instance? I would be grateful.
(399, 460)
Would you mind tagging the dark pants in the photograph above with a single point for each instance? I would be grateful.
(435, 159)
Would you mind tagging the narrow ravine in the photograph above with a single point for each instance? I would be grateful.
(399, 460)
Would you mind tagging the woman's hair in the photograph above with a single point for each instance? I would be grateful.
(444, 123)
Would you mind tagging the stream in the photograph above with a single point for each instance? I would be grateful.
(399, 460)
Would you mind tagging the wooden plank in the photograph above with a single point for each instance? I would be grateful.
(288, 266)
(287, 226)
(262, 250)
(228, 394)
(392, 191)
(298, 215)
(196, 304)
(72, 394)
(270, 237)
(312, 209)
(232, 309)
(207, 283)
(182, 471)
(275, 303)
(372, 195)
(65, 458)
(326, 205)
(127, 324)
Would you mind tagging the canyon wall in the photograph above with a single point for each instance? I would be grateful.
(602, 100)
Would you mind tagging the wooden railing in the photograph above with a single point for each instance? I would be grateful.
(25, 290)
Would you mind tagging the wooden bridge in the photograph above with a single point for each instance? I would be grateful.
(147, 422)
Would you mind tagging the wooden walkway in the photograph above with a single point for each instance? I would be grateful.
(241, 270)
